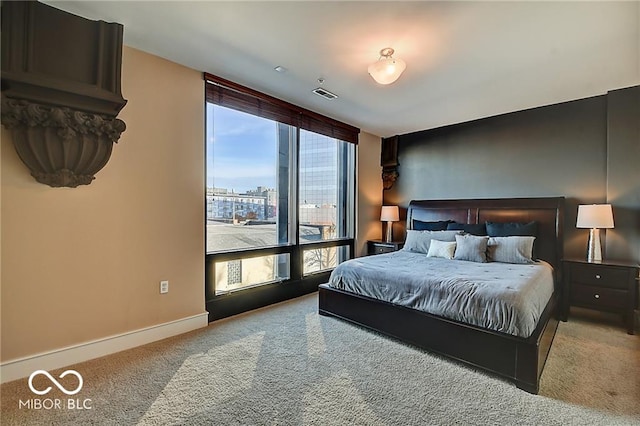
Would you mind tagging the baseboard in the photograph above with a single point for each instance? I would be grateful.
(23, 367)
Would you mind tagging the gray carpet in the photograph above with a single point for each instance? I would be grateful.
(286, 365)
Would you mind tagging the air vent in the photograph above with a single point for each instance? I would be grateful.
(324, 93)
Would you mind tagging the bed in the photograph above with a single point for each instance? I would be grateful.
(516, 356)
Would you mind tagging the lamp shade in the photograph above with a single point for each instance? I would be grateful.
(595, 216)
(390, 214)
(386, 70)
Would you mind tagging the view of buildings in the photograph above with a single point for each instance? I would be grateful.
(318, 184)
(225, 205)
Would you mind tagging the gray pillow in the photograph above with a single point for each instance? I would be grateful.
(510, 249)
(471, 248)
(419, 241)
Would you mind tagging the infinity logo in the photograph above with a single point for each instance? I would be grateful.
(55, 382)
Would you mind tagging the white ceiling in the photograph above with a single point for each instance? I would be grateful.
(465, 60)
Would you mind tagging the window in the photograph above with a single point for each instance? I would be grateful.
(326, 198)
(280, 190)
(326, 187)
(323, 259)
(250, 271)
(248, 166)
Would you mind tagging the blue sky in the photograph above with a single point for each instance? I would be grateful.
(244, 150)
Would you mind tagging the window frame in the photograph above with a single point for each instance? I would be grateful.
(232, 95)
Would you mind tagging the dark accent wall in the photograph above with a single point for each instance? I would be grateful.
(574, 149)
(623, 172)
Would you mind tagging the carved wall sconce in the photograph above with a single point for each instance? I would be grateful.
(61, 91)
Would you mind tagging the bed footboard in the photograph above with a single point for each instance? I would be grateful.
(517, 359)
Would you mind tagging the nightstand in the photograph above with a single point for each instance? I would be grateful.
(379, 246)
(607, 286)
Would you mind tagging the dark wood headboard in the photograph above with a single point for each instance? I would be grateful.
(548, 212)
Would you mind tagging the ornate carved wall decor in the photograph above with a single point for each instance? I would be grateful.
(389, 161)
(61, 146)
(61, 91)
(389, 177)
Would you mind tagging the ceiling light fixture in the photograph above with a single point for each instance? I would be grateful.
(386, 69)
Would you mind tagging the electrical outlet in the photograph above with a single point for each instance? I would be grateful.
(164, 287)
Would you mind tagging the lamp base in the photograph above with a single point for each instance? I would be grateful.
(389, 236)
(594, 248)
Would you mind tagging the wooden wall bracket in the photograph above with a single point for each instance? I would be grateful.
(389, 161)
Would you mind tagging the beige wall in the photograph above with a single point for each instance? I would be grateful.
(85, 263)
(82, 264)
(369, 191)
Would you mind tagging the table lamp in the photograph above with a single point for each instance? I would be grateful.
(389, 214)
(594, 217)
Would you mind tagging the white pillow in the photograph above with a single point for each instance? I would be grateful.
(444, 249)
(418, 241)
(510, 249)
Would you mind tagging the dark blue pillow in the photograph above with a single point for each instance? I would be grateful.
(508, 229)
(470, 228)
(441, 225)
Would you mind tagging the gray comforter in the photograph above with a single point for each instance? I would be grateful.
(499, 296)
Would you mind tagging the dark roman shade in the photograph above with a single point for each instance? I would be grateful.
(232, 95)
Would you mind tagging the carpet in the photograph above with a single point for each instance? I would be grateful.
(286, 365)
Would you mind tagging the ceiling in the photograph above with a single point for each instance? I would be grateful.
(465, 60)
